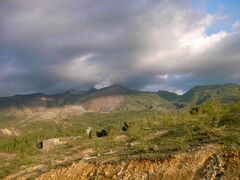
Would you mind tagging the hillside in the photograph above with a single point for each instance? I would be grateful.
(143, 129)
(107, 99)
(170, 96)
(226, 93)
(177, 144)
(43, 107)
(120, 97)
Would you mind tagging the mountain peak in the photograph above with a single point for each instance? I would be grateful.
(118, 86)
(113, 86)
(115, 89)
(71, 91)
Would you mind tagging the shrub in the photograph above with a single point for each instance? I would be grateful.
(125, 127)
(194, 110)
(101, 133)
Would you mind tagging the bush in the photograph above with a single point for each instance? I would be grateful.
(101, 133)
(194, 110)
(125, 127)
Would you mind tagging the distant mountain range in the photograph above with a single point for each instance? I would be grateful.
(118, 97)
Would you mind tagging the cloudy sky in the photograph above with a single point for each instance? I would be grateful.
(54, 45)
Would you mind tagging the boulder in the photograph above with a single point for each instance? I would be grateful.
(9, 132)
(89, 131)
(133, 143)
(154, 148)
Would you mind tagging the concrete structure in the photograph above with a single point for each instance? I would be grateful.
(50, 143)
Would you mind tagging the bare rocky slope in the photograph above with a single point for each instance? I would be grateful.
(202, 163)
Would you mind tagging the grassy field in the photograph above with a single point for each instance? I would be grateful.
(153, 132)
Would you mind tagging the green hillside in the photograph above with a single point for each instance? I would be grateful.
(170, 96)
(226, 93)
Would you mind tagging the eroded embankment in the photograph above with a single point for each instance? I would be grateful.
(203, 163)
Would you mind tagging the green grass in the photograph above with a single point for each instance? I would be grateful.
(7, 118)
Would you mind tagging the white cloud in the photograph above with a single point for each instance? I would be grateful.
(165, 76)
(84, 58)
(103, 84)
(180, 92)
(236, 26)
(87, 43)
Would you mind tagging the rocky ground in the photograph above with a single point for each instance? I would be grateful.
(202, 163)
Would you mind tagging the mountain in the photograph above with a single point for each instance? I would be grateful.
(226, 93)
(115, 97)
(170, 96)
(120, 98)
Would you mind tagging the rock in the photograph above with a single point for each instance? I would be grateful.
(154, 148)
(6, 132)
(9, 132)
(89, 132)
(110, 152)
(88, 158)
(134, 143)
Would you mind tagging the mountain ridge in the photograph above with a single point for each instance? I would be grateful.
(123, 87)
(121, 96)
(199, 94)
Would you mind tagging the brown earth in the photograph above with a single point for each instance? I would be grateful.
(121, 138)
(6, 156)
(104, 104)
(99, 104)
(47, 114)
(203, 163)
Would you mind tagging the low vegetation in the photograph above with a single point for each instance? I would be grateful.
(154, 133)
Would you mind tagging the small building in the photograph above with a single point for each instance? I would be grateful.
(50, 143)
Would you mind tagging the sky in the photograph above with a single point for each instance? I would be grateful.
(51, 46)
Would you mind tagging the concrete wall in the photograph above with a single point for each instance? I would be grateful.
(50, 143)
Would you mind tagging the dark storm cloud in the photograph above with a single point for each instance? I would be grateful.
(55, 45)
